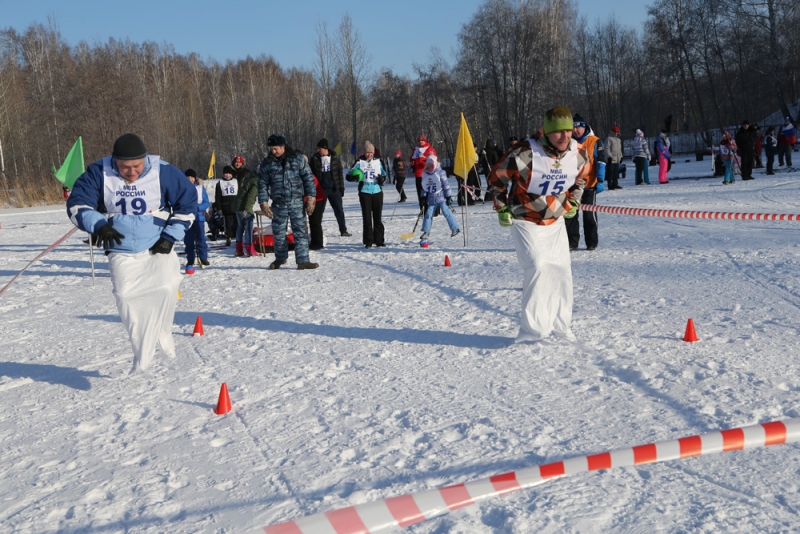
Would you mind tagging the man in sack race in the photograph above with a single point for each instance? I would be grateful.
(285, 177)
(546, 178)
(150, 205)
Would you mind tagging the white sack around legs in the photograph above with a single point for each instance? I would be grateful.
(146, 288)
(543, 253)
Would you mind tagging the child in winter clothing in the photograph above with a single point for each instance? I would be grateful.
(727, 151)
(436, 193)
(195, 238)
(224, 201)
(245, 199)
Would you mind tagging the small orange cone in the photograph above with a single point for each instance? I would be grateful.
(198, 327)
(447, 261)
(180, 295)
(690, 334)
(224, 402)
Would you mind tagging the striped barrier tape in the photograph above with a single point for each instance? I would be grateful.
(682, 214)
(409, 509)
(34, 260)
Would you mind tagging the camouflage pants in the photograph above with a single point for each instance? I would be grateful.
(281, 215)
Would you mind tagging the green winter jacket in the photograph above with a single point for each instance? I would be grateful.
(247, 194)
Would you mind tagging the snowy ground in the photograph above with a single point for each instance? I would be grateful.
(384, 372)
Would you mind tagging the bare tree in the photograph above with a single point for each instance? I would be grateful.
(352, 70)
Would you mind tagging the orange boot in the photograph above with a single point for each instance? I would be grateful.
(252, 249)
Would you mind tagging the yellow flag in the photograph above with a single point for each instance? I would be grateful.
(211, 166)
(338, 149)
(465, 151)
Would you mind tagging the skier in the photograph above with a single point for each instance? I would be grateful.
(436, 193)
(546, 179)
(150, 205)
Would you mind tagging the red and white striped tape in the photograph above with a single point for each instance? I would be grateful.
(405, 510)
(34, 260)
(682, 214)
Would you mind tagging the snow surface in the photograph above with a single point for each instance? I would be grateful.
(383, 373)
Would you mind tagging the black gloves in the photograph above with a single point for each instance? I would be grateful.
(341, 191)
(106, 236)
(162, 246)
(381, 180)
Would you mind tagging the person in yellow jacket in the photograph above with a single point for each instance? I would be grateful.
(535, 185)
(583, 134)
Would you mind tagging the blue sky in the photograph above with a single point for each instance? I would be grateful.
(397, 33)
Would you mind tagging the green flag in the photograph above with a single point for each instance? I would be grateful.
(73, 165)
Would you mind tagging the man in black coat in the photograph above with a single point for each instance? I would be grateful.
(327, 168)
(746, 143)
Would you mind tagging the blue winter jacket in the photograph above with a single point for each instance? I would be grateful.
(370, 186)
(286, 181)
(203, 206)
(435, 187)
(86, 208)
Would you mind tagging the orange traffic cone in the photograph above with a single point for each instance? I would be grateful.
(180, 295)
(198, 327)
(224, 402)
(447, 261)
(690, 334)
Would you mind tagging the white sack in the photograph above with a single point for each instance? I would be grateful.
(146, 288)
(543, 253)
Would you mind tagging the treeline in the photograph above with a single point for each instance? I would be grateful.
(704, 63)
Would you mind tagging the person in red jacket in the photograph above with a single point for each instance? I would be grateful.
(418, 159)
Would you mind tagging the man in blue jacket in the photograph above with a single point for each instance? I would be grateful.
(136, 207)
(285, 177)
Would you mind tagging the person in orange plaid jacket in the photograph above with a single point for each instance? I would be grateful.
(536, 184)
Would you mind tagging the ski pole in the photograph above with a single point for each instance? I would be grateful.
(91, 256)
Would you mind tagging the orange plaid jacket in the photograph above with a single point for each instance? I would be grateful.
(514, 169)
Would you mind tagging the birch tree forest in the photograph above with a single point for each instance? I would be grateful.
(705, 63)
